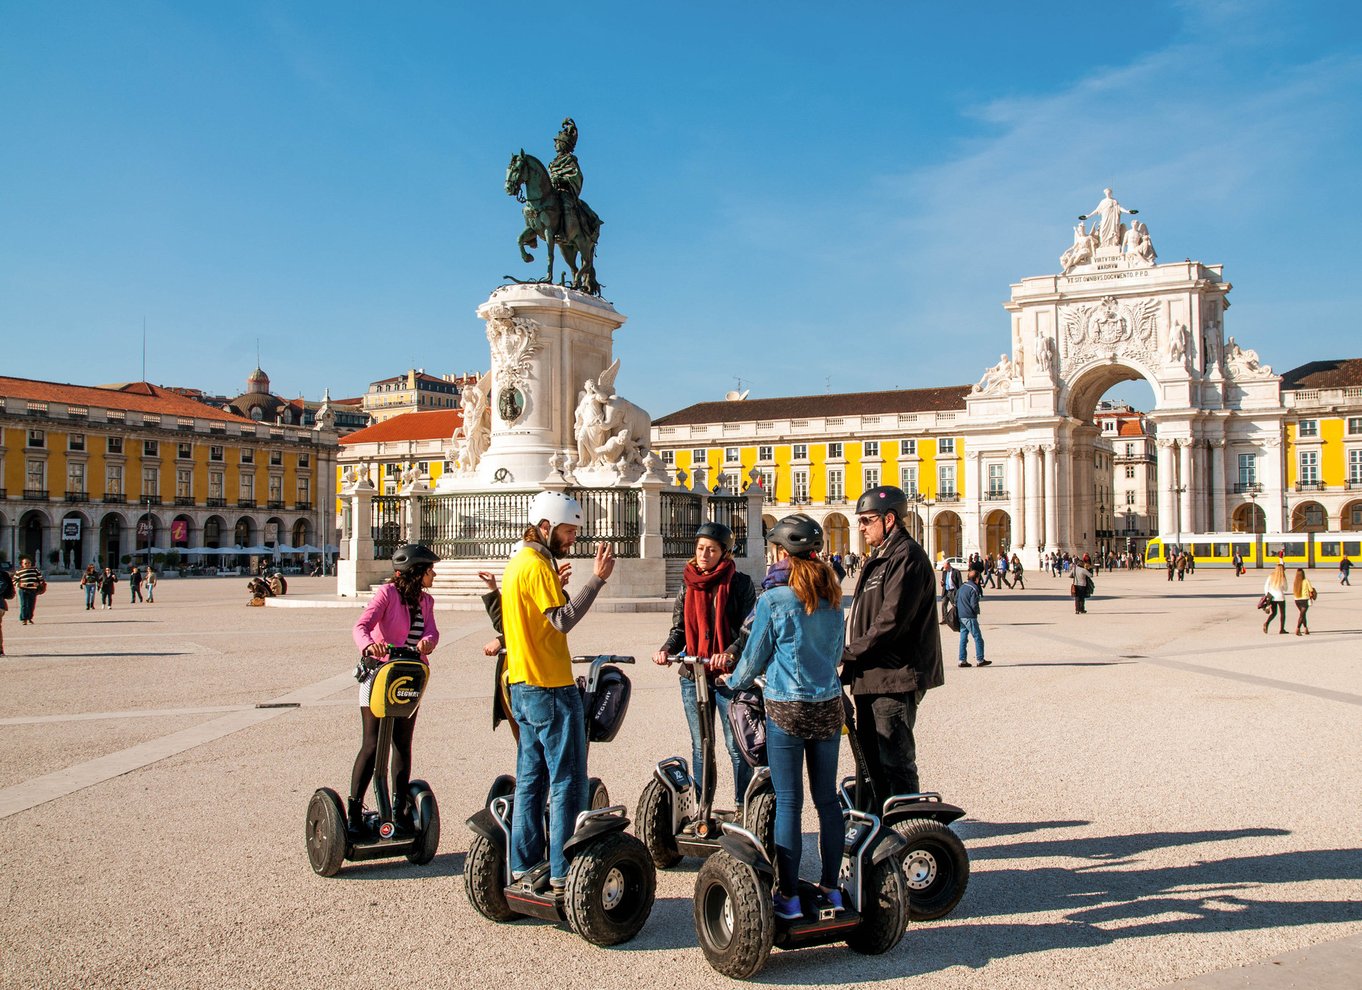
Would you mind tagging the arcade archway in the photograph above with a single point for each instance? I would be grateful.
(1248, 518)
(946, 534)
(836, 533)
(1309, 517)
(997, 533)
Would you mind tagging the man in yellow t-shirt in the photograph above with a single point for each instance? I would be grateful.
(536, 617)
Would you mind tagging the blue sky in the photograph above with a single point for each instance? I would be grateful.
(804, 196)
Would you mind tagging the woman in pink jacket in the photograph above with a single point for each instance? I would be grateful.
(401, 613)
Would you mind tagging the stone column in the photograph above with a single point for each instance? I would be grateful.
(1274, 486)
(1187, 483)
(1167, 481)
(357, 554)
(1203, 483)
(1051, 497)
(1218, 487)
(1033, 495)
(1021, 536)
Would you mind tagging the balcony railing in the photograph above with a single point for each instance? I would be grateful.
(77, 496)
(184, 499)
(4, 493)
(1248, 487)
(150, 500)
(114, 498)
(275, 503)
(951, 496)
(302, 505)
(996, 495)
(35, 494)
(1309, 486)
(215, 503)
(1352, 484)
(245, 503)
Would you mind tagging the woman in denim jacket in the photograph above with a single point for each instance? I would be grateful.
(796, 640)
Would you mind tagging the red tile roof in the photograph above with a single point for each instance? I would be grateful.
(435, 424)
(136, 396)
(1130, 428)
(808, 406)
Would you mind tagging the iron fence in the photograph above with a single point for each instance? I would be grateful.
(386, 525)
(490, 525)
(731, 510)
(680, 520)
(609, 515)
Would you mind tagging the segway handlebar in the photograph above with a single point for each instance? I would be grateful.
(693, 662)
(603, 658)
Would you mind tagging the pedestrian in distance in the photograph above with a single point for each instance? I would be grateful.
(108, 582)
(1304, 593)
(135, 586)
(796, 641)
(1274, 590)
(89, 583)
(707, 622)
(1345, 567)
(401, 613)
(893, 653)
(1017, 571)
(950, 584)
(30, 584)
(1081, 586)
(968, 605)
(149, 582)
(1238, 562)
(536, 618)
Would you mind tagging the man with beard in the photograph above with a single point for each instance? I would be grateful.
(551, 754)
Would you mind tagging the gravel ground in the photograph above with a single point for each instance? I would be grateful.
(1155, 790)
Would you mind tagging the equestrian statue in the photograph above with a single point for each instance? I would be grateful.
(555, 211)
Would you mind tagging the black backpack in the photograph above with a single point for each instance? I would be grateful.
(6, 586)
(747, 718)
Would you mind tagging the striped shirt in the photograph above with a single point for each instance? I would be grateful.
(418, 627)
(27, 578)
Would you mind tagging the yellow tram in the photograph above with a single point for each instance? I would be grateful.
(1259, 549)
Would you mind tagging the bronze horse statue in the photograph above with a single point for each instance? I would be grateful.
(544, 218)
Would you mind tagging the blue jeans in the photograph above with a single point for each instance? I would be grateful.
(89, 596)
(742, 773)
(550, 767)
(968, 628)
(27, 600)
(787, 755)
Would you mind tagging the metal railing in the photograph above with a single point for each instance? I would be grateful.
(1309, 486)
(609, 515)
(731, 510)
(385, 522)
(1245, 487)
(680, 520)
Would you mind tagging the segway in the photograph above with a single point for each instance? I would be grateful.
(675, 818)
(611, 881)
(935, 862)
(396, 692)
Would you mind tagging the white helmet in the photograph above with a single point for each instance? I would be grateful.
(557, 508)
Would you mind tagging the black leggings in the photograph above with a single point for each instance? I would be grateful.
(368, 749)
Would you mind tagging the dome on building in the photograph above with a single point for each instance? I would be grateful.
(258, 382)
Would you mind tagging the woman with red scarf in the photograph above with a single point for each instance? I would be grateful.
(714, 600)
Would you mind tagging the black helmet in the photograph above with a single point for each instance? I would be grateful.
(411, 557)
(799, 534)
(717, 532)
(885, 498)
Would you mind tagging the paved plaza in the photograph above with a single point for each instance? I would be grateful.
(1155, 791)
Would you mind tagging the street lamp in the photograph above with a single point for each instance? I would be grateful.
(922, 500)
(1177, 491)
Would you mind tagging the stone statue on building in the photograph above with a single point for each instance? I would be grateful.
(1045, 354)
(1179, 343)
(996, 376)
(1080, 253)
(472, 437)
(610, 431)
(1138, 243)
(554, 209)
(1108, 228)
(1243, 362)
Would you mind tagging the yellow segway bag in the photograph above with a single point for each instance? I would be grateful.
(397, 689)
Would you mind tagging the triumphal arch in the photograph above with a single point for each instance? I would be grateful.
(1114, 313)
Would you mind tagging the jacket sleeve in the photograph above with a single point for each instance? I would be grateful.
(365, 631)
(887, 621)
(743, 602)
(760, 648)
(491, 601)
(676, 638)
(432, 630)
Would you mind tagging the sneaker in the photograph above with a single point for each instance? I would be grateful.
(834, 897)
(985, 663)
(966, 663)
(787, 908)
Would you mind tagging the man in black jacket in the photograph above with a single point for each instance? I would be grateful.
(894, 651)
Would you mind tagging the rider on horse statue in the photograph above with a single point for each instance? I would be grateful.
(566, 174)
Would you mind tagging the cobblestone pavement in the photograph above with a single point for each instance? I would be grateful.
(1156, 790)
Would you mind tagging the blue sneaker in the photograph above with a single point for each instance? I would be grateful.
(787, 908)
(835, 899)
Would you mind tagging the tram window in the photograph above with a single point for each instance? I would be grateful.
(1294, 549)
(1201, 549)
(1328, 549)
(1221, 550)
(1352, 547)
(1243, 549)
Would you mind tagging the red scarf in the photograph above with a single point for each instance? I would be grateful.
(706, 606)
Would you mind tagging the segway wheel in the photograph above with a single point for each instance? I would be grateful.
(935, 868)
(484, 879)
(325, 832)
(600, 797)
(654, 823)
(884, 910)
(503, 786)
(760, 819)
(611, 886)
(427, 813)
(734, 918)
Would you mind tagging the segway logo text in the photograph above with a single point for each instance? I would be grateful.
(398, 692)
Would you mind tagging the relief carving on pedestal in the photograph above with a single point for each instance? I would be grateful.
(513, 340)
